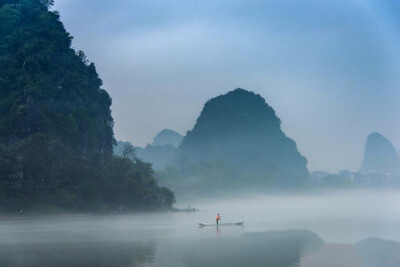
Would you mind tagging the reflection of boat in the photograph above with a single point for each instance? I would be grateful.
(220, 224)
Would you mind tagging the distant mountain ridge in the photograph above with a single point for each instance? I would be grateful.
(380, 155)
(166, 137)
(160, 152)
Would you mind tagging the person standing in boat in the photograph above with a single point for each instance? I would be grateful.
(218, 218)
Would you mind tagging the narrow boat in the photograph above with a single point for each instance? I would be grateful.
(220, 224)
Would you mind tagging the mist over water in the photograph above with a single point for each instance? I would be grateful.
(282, 230)
(265, 107)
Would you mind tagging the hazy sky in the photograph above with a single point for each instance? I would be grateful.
(330, 69)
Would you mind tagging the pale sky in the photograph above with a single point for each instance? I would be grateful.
(330, 69)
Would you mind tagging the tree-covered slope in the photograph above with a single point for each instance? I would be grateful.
(238, 139)
(56, 128)
(45, 85)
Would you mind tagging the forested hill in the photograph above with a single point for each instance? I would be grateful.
(56, 128)
(237, 140)
(45, 85)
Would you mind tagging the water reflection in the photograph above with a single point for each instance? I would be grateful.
(273, 248)
(333, 255)
(371, 252)
(279, 248)
(344, 221)
(377, 252)
(77, 254)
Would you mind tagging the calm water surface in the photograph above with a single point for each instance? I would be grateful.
(337, 229)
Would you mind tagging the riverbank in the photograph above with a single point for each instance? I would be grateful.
(55, 214)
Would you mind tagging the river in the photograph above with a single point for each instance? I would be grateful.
(348, 228)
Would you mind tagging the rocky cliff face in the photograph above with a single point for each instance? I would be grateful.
(239, 135)
(380, 155)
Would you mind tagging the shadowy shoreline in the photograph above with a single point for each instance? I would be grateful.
(35, 215)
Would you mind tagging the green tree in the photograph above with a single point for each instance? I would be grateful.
(56, 128)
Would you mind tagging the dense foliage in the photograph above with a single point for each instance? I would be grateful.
(238, 141)
(45, 86)
(60, 179)
(56, 128)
